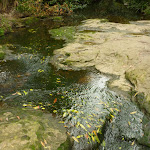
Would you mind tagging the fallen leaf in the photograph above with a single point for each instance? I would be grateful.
(86, 136)
(129, 123)
(18, 117)
(36, 107)
(45, 141)
(42, 144)
(133, 112)
(79, 136)
(82, 126)
(25, 105)
(88, 126)
(55, 100)
(132, 143)
(93, 138)
(18, 75)
(94, 132)
(61, 122)
(75, 139)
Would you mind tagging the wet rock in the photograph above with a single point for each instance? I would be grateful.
(28, 129)
(118, 49)
(145, 139)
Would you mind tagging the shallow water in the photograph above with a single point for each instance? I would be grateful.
(89, 109)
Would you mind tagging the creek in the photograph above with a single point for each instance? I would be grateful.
(94, 116)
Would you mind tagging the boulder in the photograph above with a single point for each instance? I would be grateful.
(117, 49)
(29, 129)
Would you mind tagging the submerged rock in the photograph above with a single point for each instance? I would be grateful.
(29, 129)
(112, 48)
(63, 33)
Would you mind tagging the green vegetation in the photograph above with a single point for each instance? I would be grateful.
(63, 33)
(5, 25)
(142, 6)
(44, 8)
(59, 7)
(2, 54)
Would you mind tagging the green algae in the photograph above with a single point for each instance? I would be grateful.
(63, 33)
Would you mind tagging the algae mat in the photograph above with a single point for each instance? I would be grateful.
(29, 130)
(112, 48)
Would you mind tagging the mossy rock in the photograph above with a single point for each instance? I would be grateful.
(29, 129)
(145, 140)
(2, 53)
(64, 33)
(66, 145)
(136, 76)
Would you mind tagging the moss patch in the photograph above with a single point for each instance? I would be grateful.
(63, 33)
(2, 54)
(136, 76)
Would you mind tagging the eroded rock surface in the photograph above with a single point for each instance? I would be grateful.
(113, 48)
(29, 129)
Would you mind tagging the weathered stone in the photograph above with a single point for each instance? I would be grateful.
(122, 50)
(28, 129)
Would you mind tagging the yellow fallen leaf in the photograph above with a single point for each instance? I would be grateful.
(75, 139)
(132, 143)
(88, 126)
(79, 136)
(42, 144)
(18, 93)
(61, 122)
(129, 123)
(93, 138)
(116, 109)
(94, 132)
(82, 126)
(112, 116)
(36, 107)
(133, 112)
(45, 141)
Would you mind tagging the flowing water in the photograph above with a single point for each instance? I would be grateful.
(94, 116)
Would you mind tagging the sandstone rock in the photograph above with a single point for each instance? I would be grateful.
(122, 50)
(29, 129)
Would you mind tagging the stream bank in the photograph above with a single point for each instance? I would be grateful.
(32, 90)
